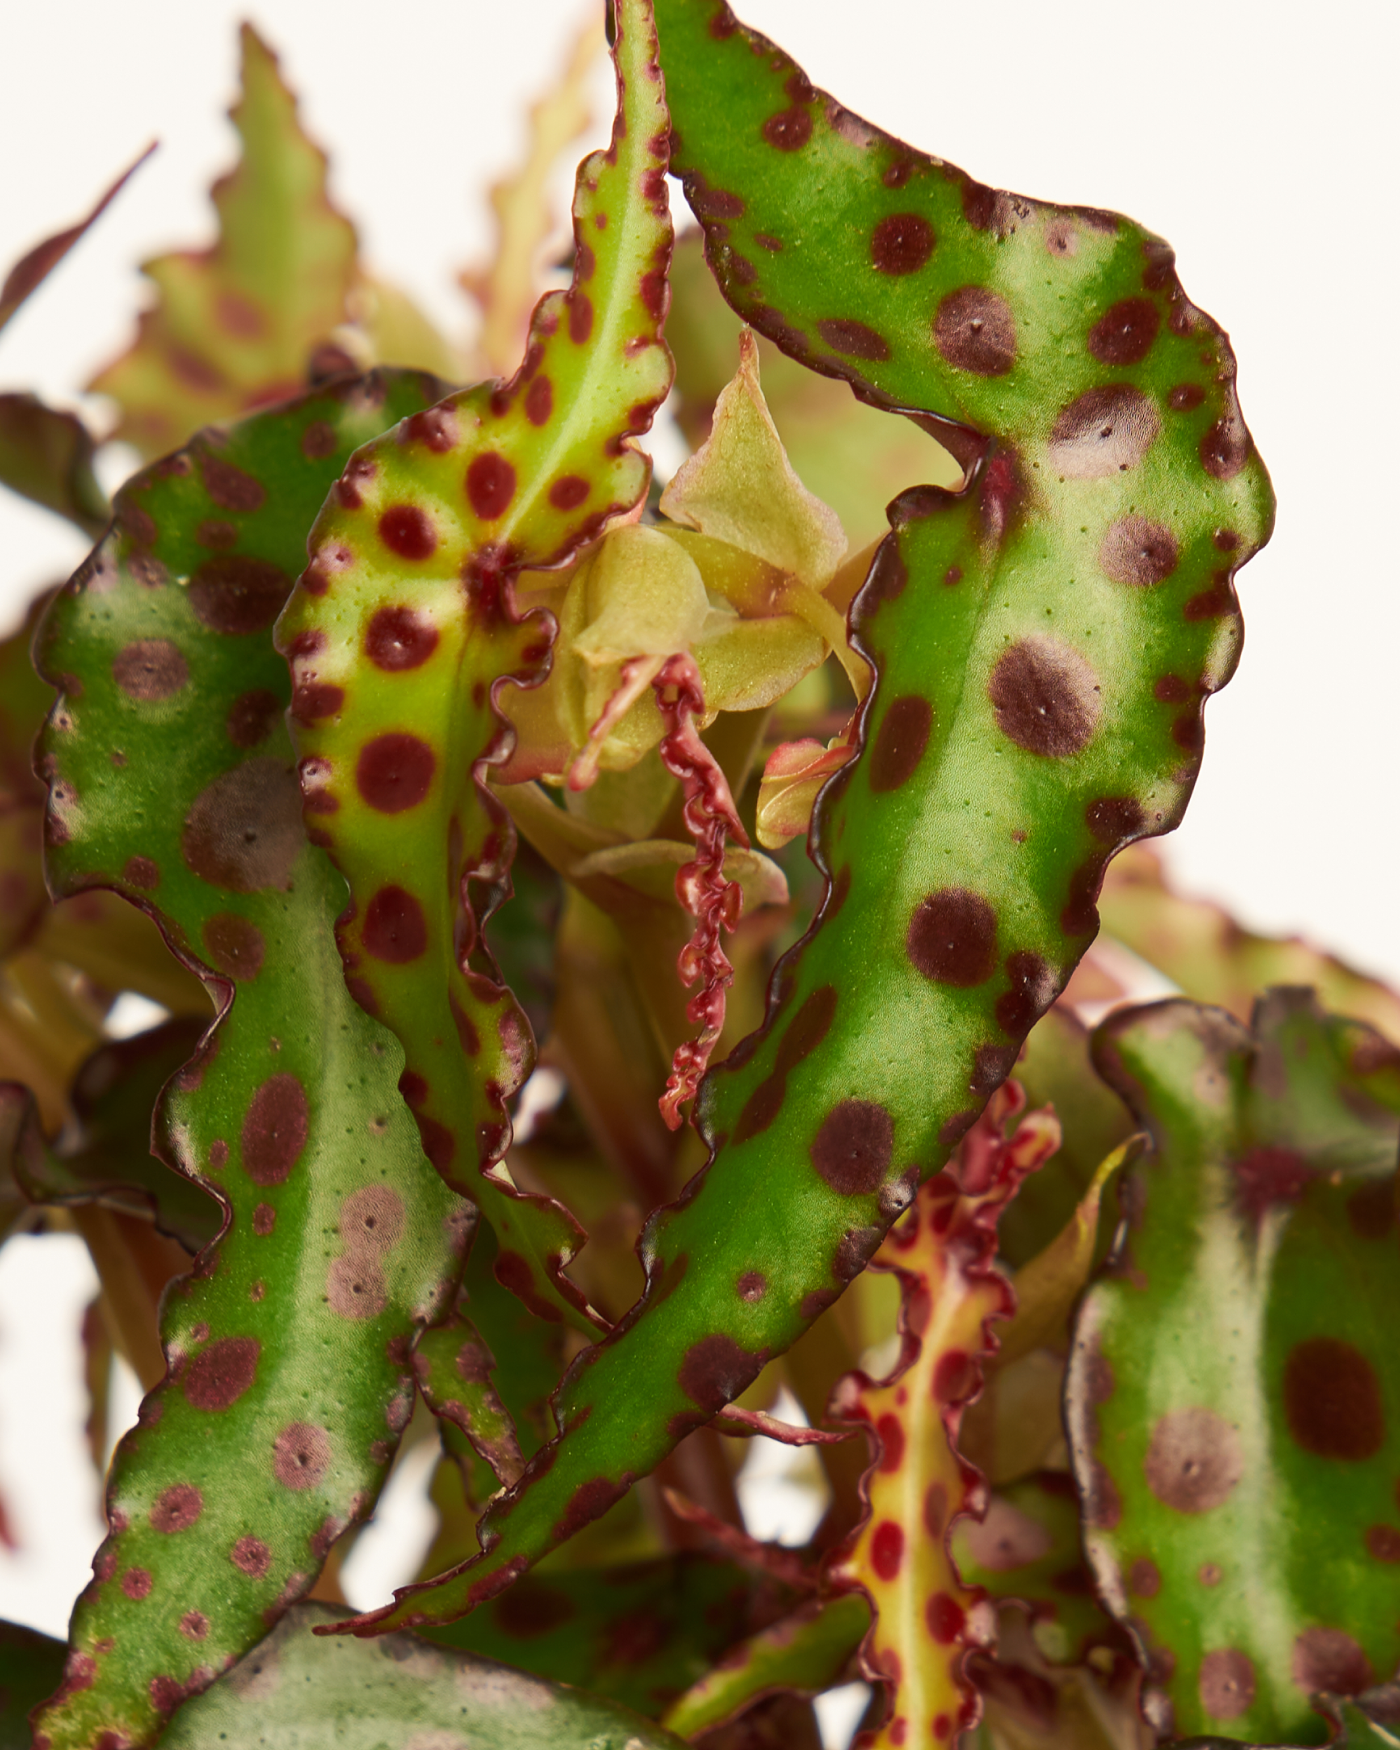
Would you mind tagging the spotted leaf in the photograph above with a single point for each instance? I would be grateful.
(807, 1652)
(404, 628)
(171, 781)
(235, 326)
(637, 1634)
(299, 1691)
(1043, 642)
(1233, 1403)
(926, 1619)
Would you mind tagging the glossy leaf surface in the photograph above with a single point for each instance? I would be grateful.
(404, 628)
(171, 781)
(300, 1692)
(234, 327)
(1232, 1401)
(1043, 643)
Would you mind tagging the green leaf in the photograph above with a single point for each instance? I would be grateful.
(638, 1634)
(30, 1665)
(404, 628)
(1214, 959)
(234, 327)
(806, 1652)
(108, 1158)
(1232, 1400)
(1043, 641)
(46, 456)
(33, 268)
(300, 1692)
(171, 781)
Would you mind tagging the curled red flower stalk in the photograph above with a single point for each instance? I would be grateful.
(710, 818)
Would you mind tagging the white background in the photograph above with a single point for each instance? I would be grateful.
(1258, 138)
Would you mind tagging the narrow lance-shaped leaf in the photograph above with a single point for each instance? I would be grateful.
(403, 629)
(1232, 1401)
(235, 326)
(926, 1619)
(1043, 643)
(46, 456)
(171, 781)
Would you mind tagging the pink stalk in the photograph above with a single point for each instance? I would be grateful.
(713, 902)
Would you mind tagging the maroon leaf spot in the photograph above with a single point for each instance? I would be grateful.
(589, 1502)
(214, 533)
(244, 831)
(166, 1693)
(319, 440)
(891, 1432)
(139, 871)
(314, 700)
(935, 1509)
(974, 330)
(194, 1625)
(1103, 432)
(1114, 820)
(1267, 1176)
(235, 947)
(954, 1378)
(1185, 396)
(1383, 1542)
(1032, 991)
(1225, 447)
(150, 669)
(1194, 1459)
(1046, 698)
(491, 481)
(901, 243)
(136, 1583)
(900, 742)
(1226, 1683)
(219, 1375)
(1125, 333)
(372, 1218)
(946, 1619)
(854, 1251)
(539, 401)
(1145, 1578)
(532, 1608)
(408, 531)
(580, 317)
(808, 1028)
(1210, 604)
(1209, 1574)
(788, 130)
(761, 1108)
(887, 1549)
(395, 929)
(568, 492)
(394, 772)
(396, 639)
(751, 1286)
(434, 427)
(230, 487)
(355, 1287)
(177, 1508)
(715, 1370)
(1332, 1400)
(275, 1129)
(1328, 1659)
(238, 595)
(853, 339)
(301, 1455)
(853, 1148)
(252, 717)
(264, 1220)
(1138, 552)
(952, 938)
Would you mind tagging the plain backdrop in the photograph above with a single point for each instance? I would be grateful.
(1258, 139)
